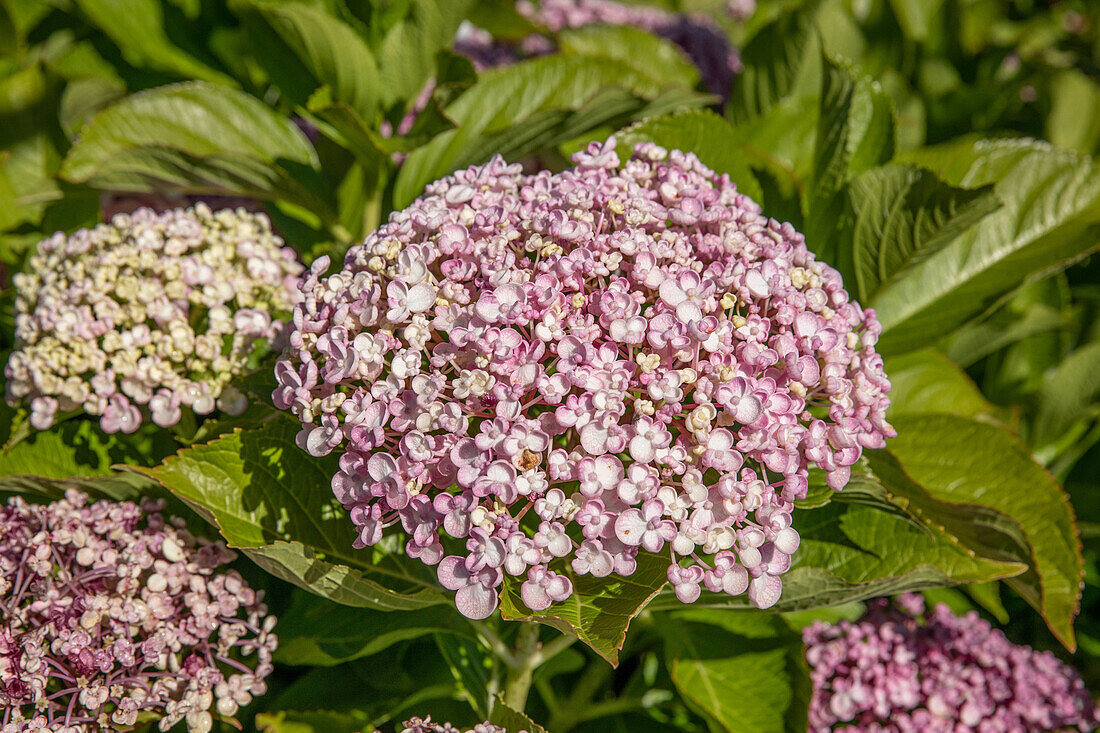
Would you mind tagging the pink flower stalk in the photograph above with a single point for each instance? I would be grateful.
(147, 316)
(109, 612)
(544, 375)
(425, 725)
(901, 669)
(705, 43)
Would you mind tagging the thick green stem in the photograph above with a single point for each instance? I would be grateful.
(525, 658)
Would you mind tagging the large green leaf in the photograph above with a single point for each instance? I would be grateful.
(197, 137)
(1049, 218)
(650, 55)
(903, 216)
(324, 47)
(774, 63)
(966, 462)
(519, 108)
(701, 132)
(407, 56)
(315, 632)
(742, 671)
(267, 497)
(1004, 327)
(312, 721)
(600, 609)
(139, 29)
(1068, 394)
(926, 381)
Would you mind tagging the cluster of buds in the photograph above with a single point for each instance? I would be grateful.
(148, 315)
(425, 725)
(900, 669)
(704, 42)
(111, 612)
(544, 375)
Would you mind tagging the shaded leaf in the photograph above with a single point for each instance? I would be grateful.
(267, 497)
(407, 57)
(600, 609)
(1068, 394)
(313, 721)
(138, 28)
(741, 673)
(471, 667)
(511, 720)
(1004, 327)
(316, 632)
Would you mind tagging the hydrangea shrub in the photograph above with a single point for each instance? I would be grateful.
(902, 668)
(147, 315)
(541, 375)
(112, 611)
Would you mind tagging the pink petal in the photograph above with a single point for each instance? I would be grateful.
(630, 526)
(534, 596)
(476, 601)
(453, 574)
(765, 591)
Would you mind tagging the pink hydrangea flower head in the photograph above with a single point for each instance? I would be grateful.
(148, 315)
(900, 669)
(112, 611)
(576, 368)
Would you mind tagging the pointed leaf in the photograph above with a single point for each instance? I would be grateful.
(600, 609)
(962, 461)
(1068, 393)
(274, 502)
(905, 215)
(197, 137)
(1050, 217)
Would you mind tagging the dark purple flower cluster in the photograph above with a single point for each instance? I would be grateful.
(902, 669)
(109, 611)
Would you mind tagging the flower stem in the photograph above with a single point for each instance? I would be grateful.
(517, 682)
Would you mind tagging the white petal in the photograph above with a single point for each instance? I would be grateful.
(630, 526)
(765, 591)
(756, 284)
(421, 298)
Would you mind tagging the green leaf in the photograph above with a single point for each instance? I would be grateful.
(962, 461)
(78, 448)
(511, 720)
(600, 609)
(903, 216)
(741, 673)
(1068, 394)
(915, 16)
(316, 632)
(774, 63)
(267, 497)
(313, 721)
(199, 138)
(408, 54)
(471, 667)
(1004, 327)
(654, 57)
(519, 108)
(1074, 119)
(701, 132)
(326, 49)
(1050, 217)
(138, 28)
(926, 381)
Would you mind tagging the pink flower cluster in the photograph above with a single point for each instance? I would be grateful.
(705, 43)
(544, 375)
(901, 669)
(109, 612)
(147, 316)
(425, 725)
